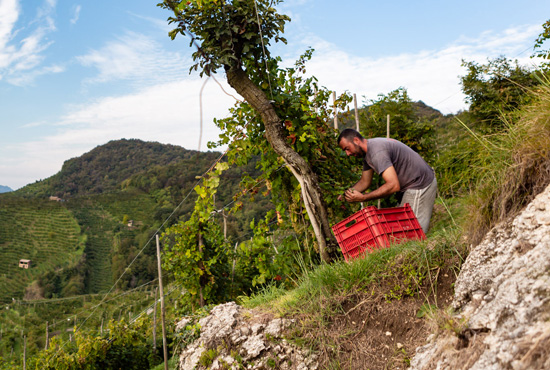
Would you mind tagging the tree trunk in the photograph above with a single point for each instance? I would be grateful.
(311, 192)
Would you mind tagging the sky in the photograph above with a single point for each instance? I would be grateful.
(77, 74)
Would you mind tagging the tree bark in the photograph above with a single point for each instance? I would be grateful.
(311, 192)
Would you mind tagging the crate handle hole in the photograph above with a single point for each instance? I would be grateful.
(352, 222)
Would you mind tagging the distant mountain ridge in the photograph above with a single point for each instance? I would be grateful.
(105, 167)
(5, 189)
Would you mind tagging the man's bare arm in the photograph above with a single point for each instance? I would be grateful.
(364, 182)
(390, 186)
(361, 185)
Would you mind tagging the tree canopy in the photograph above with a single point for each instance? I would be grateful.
(283, 120)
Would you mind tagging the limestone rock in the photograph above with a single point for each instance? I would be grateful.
(239, 337)
(502, 294)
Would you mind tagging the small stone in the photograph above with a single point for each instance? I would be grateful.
(399, 345)
(245, 330)
(388, 333)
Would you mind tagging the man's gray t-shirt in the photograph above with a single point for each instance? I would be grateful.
(412, 171)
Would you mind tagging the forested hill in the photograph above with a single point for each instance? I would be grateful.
(114, 198)
(105, 167)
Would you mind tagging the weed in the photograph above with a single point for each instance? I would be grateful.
(207, 357)
(271, 362)
(426, 310)
(237, 358)
(515, 165)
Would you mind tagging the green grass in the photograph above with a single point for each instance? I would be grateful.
(323, 287)
(172, 364)
(514, 165)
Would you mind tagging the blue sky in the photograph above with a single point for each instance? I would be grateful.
(77, 74)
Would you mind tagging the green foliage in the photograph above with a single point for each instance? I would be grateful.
(207, 357)
(40, 230)
(195, 249)
(308, 132)
(514, 165)
(541, 39)
(29, 318)
(426, 310)
(105, 167)
(406, 124)
(454, 165)
(124, 347)
(409, 277)
(402, 269)
(270, 257)
(495, 91)
(226, 32)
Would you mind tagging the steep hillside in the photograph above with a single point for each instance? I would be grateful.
(116, 196)
(110, 204)
(501, 301)
(45, 232)
(105, 167)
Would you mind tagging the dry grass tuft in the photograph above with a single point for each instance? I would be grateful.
(517, 167)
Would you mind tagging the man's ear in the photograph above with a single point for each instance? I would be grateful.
(356, 141)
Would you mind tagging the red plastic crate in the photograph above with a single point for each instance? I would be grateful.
(373, 228)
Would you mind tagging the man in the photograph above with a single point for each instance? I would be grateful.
(403, 170)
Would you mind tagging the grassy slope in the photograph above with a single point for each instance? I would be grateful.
(370, 313)
(41, 230)
(347, 310)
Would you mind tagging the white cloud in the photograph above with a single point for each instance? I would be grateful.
(25, 79)
(19, 56)
(166, 106)
(136, 58)
(9, 13)
(160, 24)
(167, 113)
(430, 75)
(76, 14)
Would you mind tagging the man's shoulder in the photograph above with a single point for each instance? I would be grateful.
(378, 143)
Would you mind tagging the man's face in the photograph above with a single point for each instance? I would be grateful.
(352, 147)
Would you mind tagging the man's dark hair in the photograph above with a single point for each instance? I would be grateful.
(349, 134)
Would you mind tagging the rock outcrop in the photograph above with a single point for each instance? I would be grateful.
(232, 336)
(502, 300)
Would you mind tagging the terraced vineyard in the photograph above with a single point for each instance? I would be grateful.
(98, 225)
(40, 230)
(100, 217)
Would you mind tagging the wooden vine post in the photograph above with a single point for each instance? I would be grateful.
(162, 309)
(24, 352)
(335, 110)
(356, 112)
(155, 322)
(47, 336)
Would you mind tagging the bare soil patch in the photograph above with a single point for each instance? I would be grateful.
(372, 332)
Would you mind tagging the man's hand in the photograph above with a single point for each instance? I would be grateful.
(353, 195)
